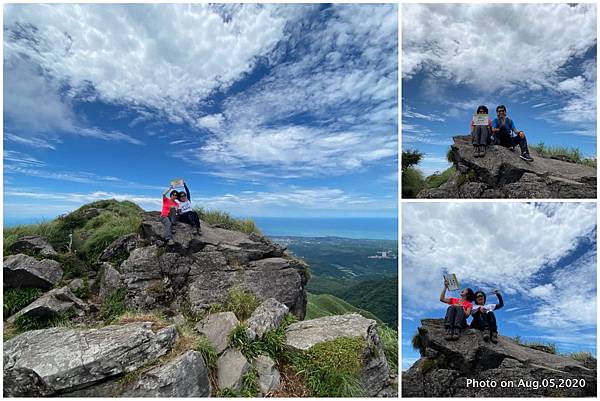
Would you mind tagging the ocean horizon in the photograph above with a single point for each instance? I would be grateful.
(385, 228)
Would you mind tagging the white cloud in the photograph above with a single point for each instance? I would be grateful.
(33, 141)
(21, 159)
(507, 246)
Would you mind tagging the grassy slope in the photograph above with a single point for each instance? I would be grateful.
(327, 305)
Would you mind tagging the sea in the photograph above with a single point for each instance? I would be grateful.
(355, 228)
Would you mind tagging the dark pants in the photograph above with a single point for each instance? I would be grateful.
(455, 317)
(508, 141)
(190, 218)
(168, 222)
(484, 321)
(480, 134)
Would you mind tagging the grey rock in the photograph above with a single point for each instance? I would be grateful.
(216, 327)
(503, 174)
(269, 378)
(231, 367)
(52, 304)
(375, 371)
(25, 271)
(267, 316)
(33, 244)
(51, 361)
(110, 280)
(124, 244)
(76, 284)
(473, 358)
(186, 376)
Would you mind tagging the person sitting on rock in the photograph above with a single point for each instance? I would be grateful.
(503, 129)
(483, 315)
(481, 134)
(457, 312)
(168, 215)
(186, 214)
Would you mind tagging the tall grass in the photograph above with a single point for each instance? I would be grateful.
(436, 180)
(226, 221)
(389, 339)
(571, 154)
(16, 299)
(242, 303)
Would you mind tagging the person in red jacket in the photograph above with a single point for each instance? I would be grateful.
(457, 312)
(168, 215)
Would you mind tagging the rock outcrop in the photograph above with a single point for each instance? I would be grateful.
(59, 360)
(216, 327)
(33, 245)
(472, 367)
(266, 317)
(375, 371)
(52, 304)
(26, 271)
(503, 174)
(232, 366)
(200, 270)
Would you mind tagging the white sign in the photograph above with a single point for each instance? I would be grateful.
(452, 281)
(177, 182)
(480, 119)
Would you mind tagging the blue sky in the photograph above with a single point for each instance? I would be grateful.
(265, 110)
(540, 256)
(537, 59)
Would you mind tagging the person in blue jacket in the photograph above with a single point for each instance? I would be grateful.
(483, 315)
(187, 215)
(503, 129)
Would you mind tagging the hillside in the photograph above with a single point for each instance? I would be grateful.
(118, 312)
(327, 305)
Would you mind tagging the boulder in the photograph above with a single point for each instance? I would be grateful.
(216, 327)
(25, 271)
(59, 360)
(33, 244)
(76, 284)
(445, 366)
(231, 368)
(375, 372)
(267, 316)
(269, 378)
(120, 247)
(110, 280)
(503, 174)
(186, 376)
(52, 304)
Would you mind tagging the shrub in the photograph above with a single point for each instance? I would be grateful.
(417, 343)
(72, 266)
(410, 158)
(16, 299)
(113, 306)
(412, 183)
(450, 156)
(226, 221)
(242, 303)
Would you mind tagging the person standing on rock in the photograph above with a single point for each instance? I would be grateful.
(503, 129)
(458, 311)
(483, 315)
(481, 134)
(187, 215)
(168, 215)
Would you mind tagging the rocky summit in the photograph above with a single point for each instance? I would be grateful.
(501, 173)
(472, 367)
(143, 318)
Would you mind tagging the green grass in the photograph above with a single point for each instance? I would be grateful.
(16, 299)
(242, 303)
(48, 229)
(113, 306)
(239, 339)
(27, 323)
(572, 154)
(332, 368)
(226, 221)
(389, 339)
(207, 350)
(71, 265)
(328, 305)
(271, 344)
(582, 356)
(412, 182)
(436, 180)
(550, 347)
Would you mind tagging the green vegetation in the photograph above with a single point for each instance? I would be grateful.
(242, 303)
(328, 305)
(389, 339)
(464, 178)
(332, 368)
(436, 180)
(226, 221)
(238, 338)
(113, 306)
(413, 180)
(16, 299)
(568, 154)
(71, 265)
(271, 344)
(208, 352)
(538, 345)
(582, 356)
(417, 343)
(27, 323)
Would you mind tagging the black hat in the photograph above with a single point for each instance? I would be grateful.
(176, 193)
(482, 108)
(479, 292)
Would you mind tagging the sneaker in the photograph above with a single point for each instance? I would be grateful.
(494, 337)
(511, 148)
(448, 335)
(475, 150)
(483, 150)
(170, 242)
(486, 335)
(525, 156)
(456, 334)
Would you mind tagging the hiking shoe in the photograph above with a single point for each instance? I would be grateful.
(483, 150)
(526, 157)
(511, 148)
(448, 335)
(170, 242)
(455, 334)
(486, 336)
(494, 337)
(475, 151)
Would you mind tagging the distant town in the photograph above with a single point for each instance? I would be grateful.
(383, 255)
